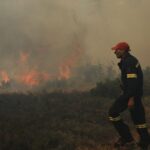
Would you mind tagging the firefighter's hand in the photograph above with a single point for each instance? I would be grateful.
(131, 103)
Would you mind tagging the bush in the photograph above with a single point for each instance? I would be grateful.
(108, 88)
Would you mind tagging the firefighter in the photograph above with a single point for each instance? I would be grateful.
(132, 91)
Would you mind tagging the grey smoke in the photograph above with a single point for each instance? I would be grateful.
(51, 30)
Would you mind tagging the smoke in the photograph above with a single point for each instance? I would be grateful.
(46, 30)
(113, 21)
(50, 31)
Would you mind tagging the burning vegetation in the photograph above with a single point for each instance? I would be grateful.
(5, 80)
(30, 76)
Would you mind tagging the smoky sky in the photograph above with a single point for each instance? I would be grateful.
(50, 31)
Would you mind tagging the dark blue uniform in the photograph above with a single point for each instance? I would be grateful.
(132, 86)
(131, 76)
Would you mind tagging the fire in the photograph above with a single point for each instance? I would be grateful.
(27, 76)
(30, 78)
(34, 78)
(4, 76)
(65, 68)
(5, 80)
(64, 72)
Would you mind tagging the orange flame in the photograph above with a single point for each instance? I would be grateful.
(33, 78)
(65, 68)
(5, 77)
(30, 78)
(64, 72)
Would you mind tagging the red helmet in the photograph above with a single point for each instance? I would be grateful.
(121, 46)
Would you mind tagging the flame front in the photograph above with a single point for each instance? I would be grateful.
(4, 76)
(70, 62)
(34, 78)
(64, 72)
(30, 78)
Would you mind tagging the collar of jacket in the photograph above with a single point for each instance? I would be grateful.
(123, 59)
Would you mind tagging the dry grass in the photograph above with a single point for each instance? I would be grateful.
(56, 121)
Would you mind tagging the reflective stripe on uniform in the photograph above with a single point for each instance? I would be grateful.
(141, 126)
(137, 65)
(114, 119)
(132, 75)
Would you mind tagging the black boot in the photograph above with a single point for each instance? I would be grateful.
(144, 144)
(144, 138)
(120, 142)
(123, 130)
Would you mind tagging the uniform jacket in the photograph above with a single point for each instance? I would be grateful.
(131, 76)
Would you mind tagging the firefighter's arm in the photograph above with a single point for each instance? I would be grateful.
(131, 84)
